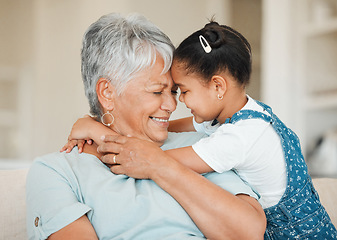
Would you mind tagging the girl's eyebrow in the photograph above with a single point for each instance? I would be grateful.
(180, 84)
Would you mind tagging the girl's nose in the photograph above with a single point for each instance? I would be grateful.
(181, 98)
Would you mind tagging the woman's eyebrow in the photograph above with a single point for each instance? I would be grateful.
(154, 86)
(157, 84)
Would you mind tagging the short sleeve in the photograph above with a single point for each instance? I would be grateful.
(223, 150)
(52, 199)
(207, 127)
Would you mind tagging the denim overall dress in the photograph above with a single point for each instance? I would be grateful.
(299, 214)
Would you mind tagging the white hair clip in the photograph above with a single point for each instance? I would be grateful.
(205, 45)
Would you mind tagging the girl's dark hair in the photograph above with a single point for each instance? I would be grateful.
(230, 51)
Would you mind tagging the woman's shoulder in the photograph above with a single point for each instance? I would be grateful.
(59, 158)
(61, 162)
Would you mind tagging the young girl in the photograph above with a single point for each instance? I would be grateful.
(212, 68)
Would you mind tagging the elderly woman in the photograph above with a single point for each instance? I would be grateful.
(125, 68)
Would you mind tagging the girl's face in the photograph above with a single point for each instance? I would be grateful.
(144, 108)
(200, 97)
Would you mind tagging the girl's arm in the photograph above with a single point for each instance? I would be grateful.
(86, 129)
(182, 125)
(190, 159)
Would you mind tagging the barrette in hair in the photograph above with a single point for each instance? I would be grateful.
(205, 45)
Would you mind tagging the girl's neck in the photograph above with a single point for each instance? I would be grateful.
(233, 102)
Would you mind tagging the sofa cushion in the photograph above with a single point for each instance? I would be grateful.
(13, 206)
(327, 190)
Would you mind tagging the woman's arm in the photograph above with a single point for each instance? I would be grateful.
(217, 213)
(81, 229)
(182, 125)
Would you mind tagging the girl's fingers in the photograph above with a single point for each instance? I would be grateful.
(64, 148)
(80, 144)
(71, 145)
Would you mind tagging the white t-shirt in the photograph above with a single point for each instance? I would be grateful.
(252, 148)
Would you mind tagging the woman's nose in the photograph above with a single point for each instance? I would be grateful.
(169, 104)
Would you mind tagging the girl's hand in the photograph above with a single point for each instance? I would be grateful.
(79, 134)
(72, 143)
(133, 157)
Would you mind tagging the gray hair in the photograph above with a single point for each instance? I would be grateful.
(117, 48)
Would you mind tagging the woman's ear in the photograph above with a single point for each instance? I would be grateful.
(105, 93)
(219, 84)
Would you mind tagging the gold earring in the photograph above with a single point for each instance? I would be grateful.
(112, 119)
(220, 97)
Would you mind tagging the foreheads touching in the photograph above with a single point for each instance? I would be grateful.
(213, 50)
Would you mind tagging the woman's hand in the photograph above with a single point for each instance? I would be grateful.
(131, 156)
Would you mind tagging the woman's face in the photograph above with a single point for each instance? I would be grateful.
(144, 108)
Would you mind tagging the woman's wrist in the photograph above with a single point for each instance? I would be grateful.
(166, 170)
(168, 174)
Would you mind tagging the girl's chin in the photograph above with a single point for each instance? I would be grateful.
(198, 120)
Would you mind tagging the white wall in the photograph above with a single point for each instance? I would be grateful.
(278, 58)
(47, 37)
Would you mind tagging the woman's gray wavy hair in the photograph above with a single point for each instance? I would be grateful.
(117, 48)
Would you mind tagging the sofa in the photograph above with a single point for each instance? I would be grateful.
(13, 207)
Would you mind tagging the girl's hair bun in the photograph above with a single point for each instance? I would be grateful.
(215, 49)
(214, 34)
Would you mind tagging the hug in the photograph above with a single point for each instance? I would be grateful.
(234, 165)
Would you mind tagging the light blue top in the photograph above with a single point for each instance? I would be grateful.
(63, 187)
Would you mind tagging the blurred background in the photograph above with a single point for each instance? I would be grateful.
(294, 46)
